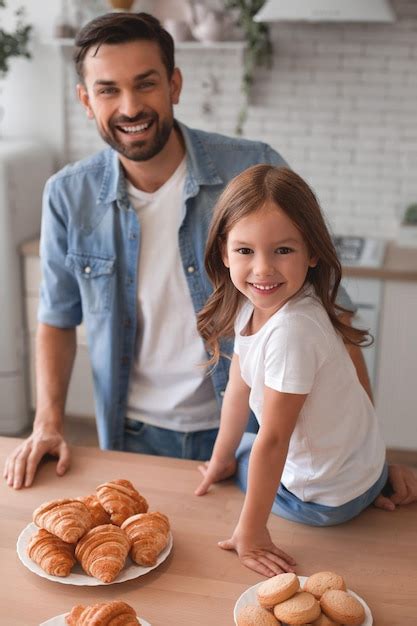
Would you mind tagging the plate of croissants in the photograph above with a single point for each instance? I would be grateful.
(102, 614)
(106, 537)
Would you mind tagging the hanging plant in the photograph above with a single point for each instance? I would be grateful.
(259, 48)
(14, 44)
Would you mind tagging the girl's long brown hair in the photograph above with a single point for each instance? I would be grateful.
(245, 194)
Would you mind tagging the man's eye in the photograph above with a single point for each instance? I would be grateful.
(244, 250)
(146, 85)
(283, 250)
(108, 91)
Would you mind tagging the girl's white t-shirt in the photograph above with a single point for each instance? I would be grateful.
(336, 451)
(168, 386)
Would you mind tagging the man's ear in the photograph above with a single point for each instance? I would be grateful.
(85, 100)
(176, 85)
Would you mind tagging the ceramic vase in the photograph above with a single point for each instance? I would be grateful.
(121, 5)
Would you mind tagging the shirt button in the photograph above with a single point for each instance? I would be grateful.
(87, 269)
(191, 269)
(128, 323)
(222, 393)
(124, 360)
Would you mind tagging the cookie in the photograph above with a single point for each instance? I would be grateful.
(253, 615)
(318, 583)
(301, 609)
(277, 589)
(342, 608)
(323, 620)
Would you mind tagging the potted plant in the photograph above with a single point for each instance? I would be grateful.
(259, 49)
(14, 43)
(407, 236)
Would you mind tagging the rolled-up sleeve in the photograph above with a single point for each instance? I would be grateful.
(60, 301)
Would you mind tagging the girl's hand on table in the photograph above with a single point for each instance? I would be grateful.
(403, 483)
(214, 471)
(259, 553)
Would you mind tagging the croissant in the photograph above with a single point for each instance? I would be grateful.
(52, 554)
(97, 512)
(116, 613)
(102, 552)
(68, 519)
(121, 500)
(149, 534)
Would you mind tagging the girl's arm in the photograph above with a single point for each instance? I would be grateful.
(251, 538)
(356, 354)
(234, 417)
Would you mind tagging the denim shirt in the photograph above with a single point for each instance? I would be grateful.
(90, 246)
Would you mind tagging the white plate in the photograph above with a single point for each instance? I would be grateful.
(59, 620)
(77, 575)
(249, 597)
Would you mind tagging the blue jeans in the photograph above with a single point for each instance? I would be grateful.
(147, 439)
(287, 505)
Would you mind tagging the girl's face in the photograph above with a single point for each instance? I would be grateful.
(268, 258)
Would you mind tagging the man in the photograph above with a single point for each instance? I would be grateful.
(122, 247)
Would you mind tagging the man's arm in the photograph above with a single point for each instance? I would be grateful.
(55, 353)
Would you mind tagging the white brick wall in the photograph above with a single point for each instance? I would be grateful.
(340, 104)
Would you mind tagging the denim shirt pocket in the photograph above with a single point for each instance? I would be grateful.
(95, 276)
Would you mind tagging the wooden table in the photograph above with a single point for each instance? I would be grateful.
(199, 583)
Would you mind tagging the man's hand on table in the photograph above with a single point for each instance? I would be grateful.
(258, 552)
(21, 464)
(403, 482)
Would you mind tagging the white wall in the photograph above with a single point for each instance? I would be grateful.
(32, 91)
(339, 104)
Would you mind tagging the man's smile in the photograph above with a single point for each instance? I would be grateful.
(134, 129)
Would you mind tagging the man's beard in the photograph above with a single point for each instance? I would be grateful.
(139, 150)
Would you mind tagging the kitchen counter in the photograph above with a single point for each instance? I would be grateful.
(399, 263)
(199, 584)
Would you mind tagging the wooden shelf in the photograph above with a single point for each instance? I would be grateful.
(181, 45)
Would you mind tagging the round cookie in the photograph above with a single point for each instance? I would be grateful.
(301, 609)
(342, 608)
(318, 583)
(277, 589)
(323, 620)
(253, 615)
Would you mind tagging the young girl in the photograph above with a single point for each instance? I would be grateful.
(318, 457)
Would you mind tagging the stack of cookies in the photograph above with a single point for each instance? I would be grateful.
(323, 601)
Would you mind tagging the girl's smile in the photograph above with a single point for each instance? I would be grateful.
(265, 289)
(268, 258)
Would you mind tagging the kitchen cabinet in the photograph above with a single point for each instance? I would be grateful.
(397, 365)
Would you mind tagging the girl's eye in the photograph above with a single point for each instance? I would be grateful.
(283, 250)
(244, 250)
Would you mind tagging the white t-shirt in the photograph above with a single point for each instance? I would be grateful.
(167, 388)
(336, 451)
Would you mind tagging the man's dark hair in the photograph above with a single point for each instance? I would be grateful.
(114, 28)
